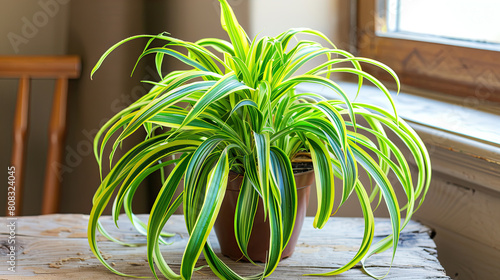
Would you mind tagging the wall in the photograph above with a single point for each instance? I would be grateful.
(332, 17)
(34, 27)
(94, 27)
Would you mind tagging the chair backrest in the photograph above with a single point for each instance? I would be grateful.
(60, 68)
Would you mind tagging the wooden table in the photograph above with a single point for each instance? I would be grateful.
(55, 247)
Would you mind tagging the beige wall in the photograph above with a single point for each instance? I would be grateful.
(332, 17)
(95, 26)
(34, 26)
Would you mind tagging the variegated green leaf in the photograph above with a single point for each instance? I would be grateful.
(198, 234)
(242, 110)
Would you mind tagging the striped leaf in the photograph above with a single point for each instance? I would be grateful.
(240, 109)
(216, 187)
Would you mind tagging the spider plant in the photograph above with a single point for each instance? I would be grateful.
(244, 114)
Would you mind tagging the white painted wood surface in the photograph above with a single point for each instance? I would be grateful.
(56, 247)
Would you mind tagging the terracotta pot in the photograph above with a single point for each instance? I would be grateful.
(259, 239)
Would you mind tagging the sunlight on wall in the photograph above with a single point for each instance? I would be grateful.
(271, 17)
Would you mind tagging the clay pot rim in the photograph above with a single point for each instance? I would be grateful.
(230, 186)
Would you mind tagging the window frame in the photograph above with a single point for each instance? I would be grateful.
(466, 72)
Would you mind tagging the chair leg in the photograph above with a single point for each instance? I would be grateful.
(21, 125)
(57, 131)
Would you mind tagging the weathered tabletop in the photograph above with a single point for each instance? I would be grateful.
(55, 247)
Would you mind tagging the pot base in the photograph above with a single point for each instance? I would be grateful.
(258, 244)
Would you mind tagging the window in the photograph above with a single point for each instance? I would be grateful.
(446, 46)
(435, 21)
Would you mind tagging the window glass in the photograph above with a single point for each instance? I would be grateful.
(464, 20)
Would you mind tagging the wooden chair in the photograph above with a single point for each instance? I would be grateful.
(60, 68)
